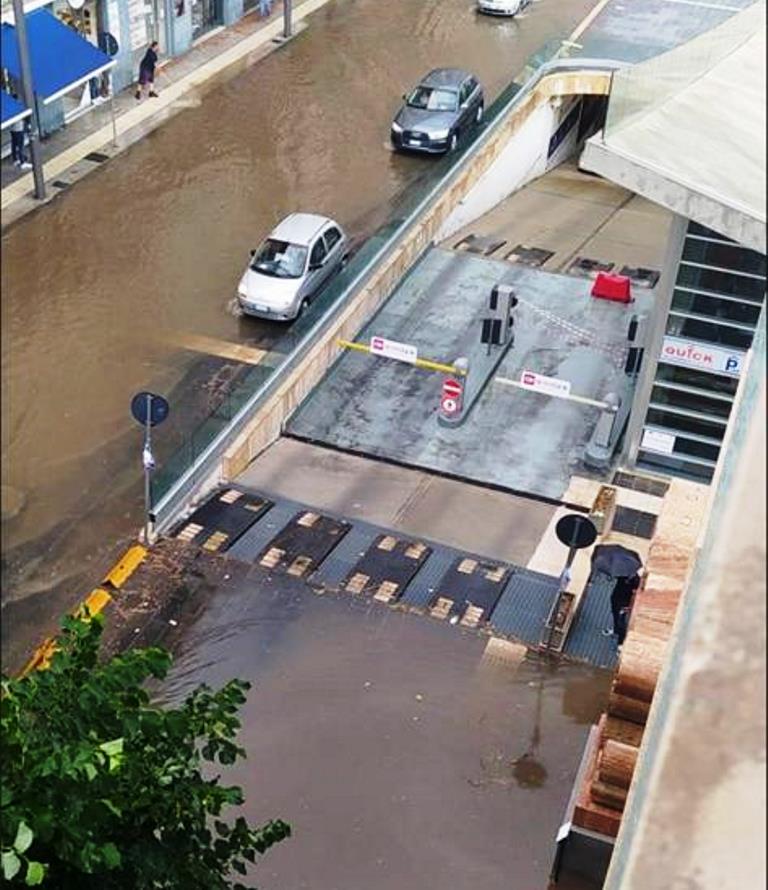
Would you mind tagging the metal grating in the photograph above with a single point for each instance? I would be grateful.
(482, 244)
(255, 539)
(422, 587)
(336, 566)
(97, 157)
(634, 522)
(586, 267)
(524, 605)
(656, 487)
(529, 256)
(586, 640)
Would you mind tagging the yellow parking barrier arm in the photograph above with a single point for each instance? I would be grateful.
(423, 363)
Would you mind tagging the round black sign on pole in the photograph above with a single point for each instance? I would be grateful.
(149, 409)
(576, 531)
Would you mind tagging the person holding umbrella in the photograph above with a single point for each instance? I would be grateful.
(623, 566)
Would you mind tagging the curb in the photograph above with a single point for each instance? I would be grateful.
(21, 189)
(96, 601)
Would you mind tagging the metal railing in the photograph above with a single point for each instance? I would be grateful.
(196, 458)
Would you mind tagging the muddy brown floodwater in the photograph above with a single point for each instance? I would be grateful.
(101, 286)
(402, 757)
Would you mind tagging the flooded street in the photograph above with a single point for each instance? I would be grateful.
(401, 755)
(104, 288)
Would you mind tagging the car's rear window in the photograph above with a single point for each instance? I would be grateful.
(432, 99)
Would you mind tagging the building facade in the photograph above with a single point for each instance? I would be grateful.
(717, 297)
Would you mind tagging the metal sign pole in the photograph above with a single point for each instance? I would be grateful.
(29, 97)
(147, 469)
(287, 15)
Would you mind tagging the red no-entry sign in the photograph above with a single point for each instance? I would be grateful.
(450, 401)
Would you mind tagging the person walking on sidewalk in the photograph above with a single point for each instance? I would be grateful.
(621, 601)
(18, 135)
(265, 8)
(147, 72)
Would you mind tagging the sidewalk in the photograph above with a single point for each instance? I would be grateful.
(82, 146)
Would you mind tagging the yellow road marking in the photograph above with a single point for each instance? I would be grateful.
(127, 565)
(249, 355)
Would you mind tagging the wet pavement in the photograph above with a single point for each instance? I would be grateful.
(403, 752)
(101, 287)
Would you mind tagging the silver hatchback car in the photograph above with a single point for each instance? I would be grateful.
(291, 266)
(446, 104)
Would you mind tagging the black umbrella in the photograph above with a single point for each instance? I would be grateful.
(616, 561)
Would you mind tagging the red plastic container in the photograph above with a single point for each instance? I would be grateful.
(612, 287)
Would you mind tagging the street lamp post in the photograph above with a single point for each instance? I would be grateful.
(29, 97)
(287, 15)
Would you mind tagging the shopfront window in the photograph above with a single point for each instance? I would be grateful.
(206, 14)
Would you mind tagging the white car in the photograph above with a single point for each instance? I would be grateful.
(502, 7)
(291, 266)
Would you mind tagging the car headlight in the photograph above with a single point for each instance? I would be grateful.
(439, 134)
(396, 128)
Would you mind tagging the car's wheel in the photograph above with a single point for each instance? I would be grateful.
(479, 114)
(453, 142)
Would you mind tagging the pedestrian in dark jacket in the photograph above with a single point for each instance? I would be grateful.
(621, 600)
(147, 72)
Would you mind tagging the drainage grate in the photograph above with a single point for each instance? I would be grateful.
(302, 544)
(585, 267)
(57, 183)
(386, 568)
(656, 487)
(640, 276)
(634, 522)
(482, 244)
(529, 256)
(222, 520)
(469, 589)
(97, 157)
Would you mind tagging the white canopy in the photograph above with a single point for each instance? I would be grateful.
(687, 129)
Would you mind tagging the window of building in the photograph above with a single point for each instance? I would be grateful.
(704, 232)
(702, 380)
(692, 469)
(709, 332)
(717, 281)
(684, 423)
(744, 313)
(723, 256)
(689, 401)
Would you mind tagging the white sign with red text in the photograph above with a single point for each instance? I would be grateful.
(551, 386)
(451, 399)
(702, 356)
(400, 352)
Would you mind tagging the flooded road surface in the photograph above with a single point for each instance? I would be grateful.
(106, 290)
(401, 756)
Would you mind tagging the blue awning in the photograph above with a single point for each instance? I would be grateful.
(60, 58)
(12, 110)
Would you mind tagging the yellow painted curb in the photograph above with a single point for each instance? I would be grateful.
(127, 565)
(96, 601)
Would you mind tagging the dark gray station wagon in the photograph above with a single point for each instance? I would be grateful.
(446, 104)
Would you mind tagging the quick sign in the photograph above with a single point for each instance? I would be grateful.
(551, 386)
(400, 352)
(701, 356)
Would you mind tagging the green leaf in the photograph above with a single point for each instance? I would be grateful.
(113, 747)
(23, 837)
(90, 771)
(11, 864)
(35, 874)
(111, 855)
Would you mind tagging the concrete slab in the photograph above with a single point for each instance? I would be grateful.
(524, 442)
(468, 517)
